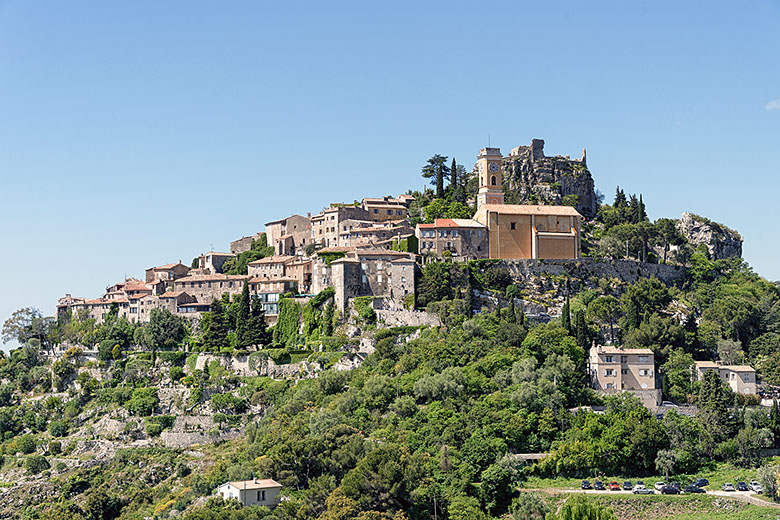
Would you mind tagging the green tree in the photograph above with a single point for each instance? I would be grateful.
(215, 338)
(605, 308)
(667, 232)
(437, 170)
(579, 507)
(165, 330)
(242, 317)
(143, 401)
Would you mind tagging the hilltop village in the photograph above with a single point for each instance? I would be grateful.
(361, 249)
(405, 357)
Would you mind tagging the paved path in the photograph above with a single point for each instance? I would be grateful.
(744, 496)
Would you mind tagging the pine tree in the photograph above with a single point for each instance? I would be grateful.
(437, 170)
(242, 318)
(620, 199)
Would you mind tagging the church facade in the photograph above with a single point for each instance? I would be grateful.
(522, 231)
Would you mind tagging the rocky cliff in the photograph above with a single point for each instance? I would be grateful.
(537, 179)
(721, 241)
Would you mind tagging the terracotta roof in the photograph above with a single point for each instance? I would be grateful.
(276, 259)
(215, 253)
(167, 266)
(254, 484)
(387, 206)
(171, 294)
(380, 252)
(212, 277)
(426, 226)
(336, 249)
(520, 209)
(456, 222)
(706, 364)
(284, 219)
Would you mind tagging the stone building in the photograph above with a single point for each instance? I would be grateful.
(206, 288)
(212, 262)
(386, 208)
(273, 285)
(243, 244)
(270, 267)
(522, 231)
(367, 236)
(466, 239)
(325, 226)
(289, 236)
(614, 370)
(380, 273)
(167, 273)
(741, 378)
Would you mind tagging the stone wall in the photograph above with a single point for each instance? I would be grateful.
(626, 271)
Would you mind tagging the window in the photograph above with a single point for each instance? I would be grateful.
(379, 278)
(609, 386)
(376, 211)
(644, 372)
(398, 212)
(389, 211)
(364, 279)
(609, 372)
(643, 359)
(609, 359)
(624, 359)
(403, 279)
(511, 225)
(493, 180)
(624, 371)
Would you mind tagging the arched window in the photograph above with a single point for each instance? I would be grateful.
(493, 180)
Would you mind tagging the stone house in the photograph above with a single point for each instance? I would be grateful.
(206, 288)
(279, 285)
(167, 273)
(254, 492)
(325, 225)
(289, 236)
(386, 208)
(374, 234)
(522, 231)
(212, 262)
(270, 267)
(300, 271)
(741, 378)
(615, 369)
(379, 273)
(466, 239)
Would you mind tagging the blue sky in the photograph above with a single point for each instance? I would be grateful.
(140, 133)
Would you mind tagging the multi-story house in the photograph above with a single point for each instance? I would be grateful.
(289, 236)
(325, 226)
(466, 239)
(615, 369)
(741, 378)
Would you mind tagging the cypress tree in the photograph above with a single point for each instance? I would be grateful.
(581, 329)
(242, 318)
(565, 312)
(453, 178)
(215, 337)
(642, 212)
(631, 313)
(774, 423)
(256, 330)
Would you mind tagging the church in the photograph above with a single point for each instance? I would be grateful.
(522, 231)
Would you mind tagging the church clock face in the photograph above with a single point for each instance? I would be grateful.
(493, 167)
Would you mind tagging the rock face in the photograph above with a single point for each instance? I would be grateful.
(721, 241)
(537, 179)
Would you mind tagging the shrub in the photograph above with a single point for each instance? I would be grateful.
(55, 447)
(34, 464)
(58, 428)
(176, 373)
(153, 429)
(25, 444)
(364, 308)
(143, 401)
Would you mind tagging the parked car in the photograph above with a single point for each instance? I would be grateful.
(677, 485)
(640, 483)
(585, 484)
(756, 487)
(614, 486)
(627, 485)
(728, 486)
(702, 482)
(659, 485)
(599, 485)
(670, 490)
(669, 403)
(693, 488)
(742, 486)
(640, 489)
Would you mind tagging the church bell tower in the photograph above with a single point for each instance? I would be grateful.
(490, 173)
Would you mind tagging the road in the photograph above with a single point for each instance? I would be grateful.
(744, 496)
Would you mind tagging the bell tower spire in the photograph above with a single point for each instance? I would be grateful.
(490, 177)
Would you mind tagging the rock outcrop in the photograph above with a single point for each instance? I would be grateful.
(537, 179)
(721, 241)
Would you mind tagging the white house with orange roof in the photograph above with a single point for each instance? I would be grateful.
(741, 378)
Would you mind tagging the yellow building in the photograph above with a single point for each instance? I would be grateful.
(522, 231)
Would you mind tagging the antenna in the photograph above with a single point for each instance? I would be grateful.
(488, 139)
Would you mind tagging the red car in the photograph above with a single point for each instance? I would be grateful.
(614, 486)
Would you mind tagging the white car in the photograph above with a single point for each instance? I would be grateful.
(756, 487)
(642, 490)
(659, 486)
